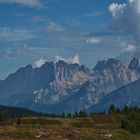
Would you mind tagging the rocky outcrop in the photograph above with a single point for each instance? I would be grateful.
(128, 95)
(67, 86)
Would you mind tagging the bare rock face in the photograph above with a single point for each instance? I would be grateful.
(47, 84)
(70, 87)
(67, 78)
(113, 75)
(128, 95)
(134, 64)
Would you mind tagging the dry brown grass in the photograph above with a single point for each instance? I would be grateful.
(89, 128)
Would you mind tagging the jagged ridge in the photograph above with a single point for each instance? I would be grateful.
(70, 87)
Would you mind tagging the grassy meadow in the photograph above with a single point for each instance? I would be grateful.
(95, 127)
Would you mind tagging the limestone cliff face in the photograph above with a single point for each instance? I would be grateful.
(128, 95)
(61, 84)
(108, 76)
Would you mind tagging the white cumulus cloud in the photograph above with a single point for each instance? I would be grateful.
(126, 18)
(40, 62)
(116, 9)
(129, 48)
(70, 60)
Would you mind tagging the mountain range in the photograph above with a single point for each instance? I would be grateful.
(126, 96)
(58, 87)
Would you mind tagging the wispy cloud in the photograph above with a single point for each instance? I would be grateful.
(93, 40)
(94, 14)
(15, 52)
(37, 19)
(16, 34)
(126, 47)
(29, 3)
(73, 22)
(54, 27)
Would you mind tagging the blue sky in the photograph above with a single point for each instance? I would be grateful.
(34, 31)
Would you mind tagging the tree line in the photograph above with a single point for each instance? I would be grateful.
(130, 115)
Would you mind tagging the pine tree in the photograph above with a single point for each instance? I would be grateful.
(112, 109)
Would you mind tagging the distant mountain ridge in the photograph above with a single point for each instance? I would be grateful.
(69, 87)
(128, 95)
(7, 112)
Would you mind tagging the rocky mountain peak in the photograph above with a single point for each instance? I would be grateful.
(27, 68)
(64, 64)
(134, 64)
(102, 65)
(85, 69)
(112, 61)
(53, 82)
(21, 71)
